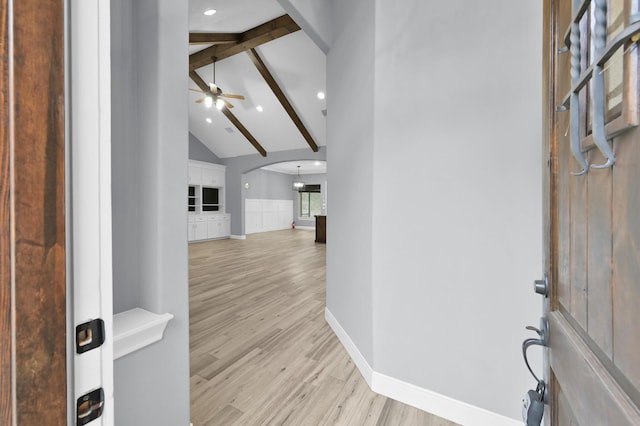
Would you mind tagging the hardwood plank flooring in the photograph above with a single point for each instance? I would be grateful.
(261, 351)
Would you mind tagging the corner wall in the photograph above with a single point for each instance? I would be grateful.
(149, 222)
(350, 171)
(443, 123)
(452, 297)
(198, 151)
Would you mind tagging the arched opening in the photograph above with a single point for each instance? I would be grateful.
(271, 203)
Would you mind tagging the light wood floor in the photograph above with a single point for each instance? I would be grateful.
(261, 351)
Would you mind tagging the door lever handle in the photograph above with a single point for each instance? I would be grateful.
(543, 333)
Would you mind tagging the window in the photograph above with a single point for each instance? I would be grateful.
(310, 201)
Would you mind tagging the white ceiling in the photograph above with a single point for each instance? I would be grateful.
(296, 63)
(307, 167)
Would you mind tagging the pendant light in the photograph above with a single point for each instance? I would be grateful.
(298, 183)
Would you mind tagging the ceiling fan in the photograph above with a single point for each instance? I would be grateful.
(215, 94)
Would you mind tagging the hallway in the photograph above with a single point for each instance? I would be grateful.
(261, 351)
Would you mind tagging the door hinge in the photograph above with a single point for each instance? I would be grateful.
(89, 407)
(89, 335)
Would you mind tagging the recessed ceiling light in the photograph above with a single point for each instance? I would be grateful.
(259, 108)
(209, 120)
(321, 95)
(210, 12)
(317, 163)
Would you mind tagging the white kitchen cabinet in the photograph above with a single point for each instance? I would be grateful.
(213, 227)
(200, 230)
(226, 226)
(218, 226)
(191, 229)
(206, 202)
(209, 227)
(195, 174)
(213, 177)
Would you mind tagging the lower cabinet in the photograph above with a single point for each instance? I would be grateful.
(207, 227)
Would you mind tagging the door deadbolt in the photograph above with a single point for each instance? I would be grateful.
(542, 286)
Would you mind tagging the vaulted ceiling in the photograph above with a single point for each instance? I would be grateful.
(262, 54)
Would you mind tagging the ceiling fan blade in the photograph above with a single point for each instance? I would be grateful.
(232, 96)
(228, 104)
(199, 101)
(195, 90)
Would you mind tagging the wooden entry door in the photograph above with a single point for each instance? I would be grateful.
(33, 339)
(593, 219)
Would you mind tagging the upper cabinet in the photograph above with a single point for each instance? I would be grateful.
(206, 187)
(195, 174)
(206, 174)
(213, 177)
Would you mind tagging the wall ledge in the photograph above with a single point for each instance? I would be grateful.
(135, 329)
(415, 396)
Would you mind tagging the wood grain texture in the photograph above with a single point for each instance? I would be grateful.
(599, 302)
(238, 125)
(565, 416)
(6, 409)
(594, 396)
(626, 257)
(261, 351)
(563, 219)
(595, 336)
(249, 39)
(214, 38)
(282, 98)
(39, 203)
(578, 257)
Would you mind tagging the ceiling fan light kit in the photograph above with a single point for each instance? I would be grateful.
(214, 94)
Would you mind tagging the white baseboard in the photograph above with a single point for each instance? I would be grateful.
(306, 228)
(440, 405)
(415, 396)
(358, 359)
(238, 237)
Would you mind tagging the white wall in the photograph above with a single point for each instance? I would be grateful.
(350, 117)
(314, 17)
(468, 132)
(447, 261)
(150, 151)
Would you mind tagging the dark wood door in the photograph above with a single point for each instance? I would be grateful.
(593, 219)
(32, 209)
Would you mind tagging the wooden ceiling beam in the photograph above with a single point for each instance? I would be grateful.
(234, 120)
(214, 38)
(271, 81)
(249, 39)
(199, 81)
